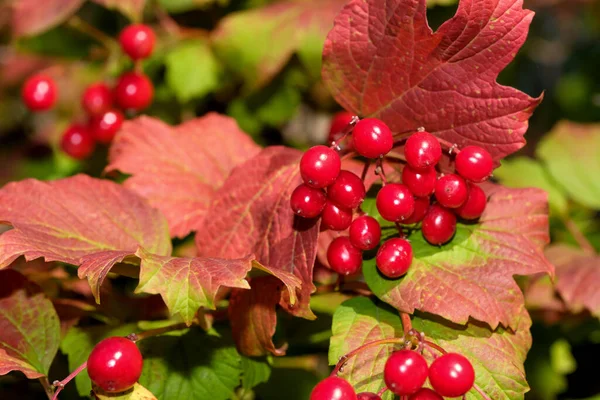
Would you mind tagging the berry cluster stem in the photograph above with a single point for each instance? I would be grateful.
(365, 170)
(406, 322)
(344, 359)
(60, 385)
(80, 25)
(481, 392)
(579, 237)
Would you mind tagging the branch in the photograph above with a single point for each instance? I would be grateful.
(365, 346)
(47, 387)
(579, 236)
(60, 385)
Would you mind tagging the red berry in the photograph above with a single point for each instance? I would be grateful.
(137, 41)
(96, 99)
(134, 91)
(425, 394)
(405, 372)
(474, 163)
(367, 396)
(420, 182)
(451, 191)
(422, 150)
(115, 364)
(39, 93)
(395, 202)
(335, 218)
(365, 232)
(320, 166)
(105, 126)
(348, 190)
(372, 138)
(394, 257)
(339, 123)
(475, 204)
(451, 375)
(333, 388)
(77, 141)
(421, 207)
(307, 201)
(343, 257)
(438, 225)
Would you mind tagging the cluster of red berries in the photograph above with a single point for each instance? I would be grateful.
(115, 364)
(134, 91)
(335, 194)
(405, 373)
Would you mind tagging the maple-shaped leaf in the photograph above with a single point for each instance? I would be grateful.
(30, 17)
(474, 271)
(382, 60)
(178, 169)
(29, 327)
(131, 8)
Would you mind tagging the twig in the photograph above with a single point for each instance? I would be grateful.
(579, 236)
(135, 337)
(80, 25)
(365, 170)
(365, 346)
(60, 385)
(47, 387)
(435, 346)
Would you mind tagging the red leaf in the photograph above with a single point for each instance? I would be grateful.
(31, 17)
(382, 60)
(179, 168)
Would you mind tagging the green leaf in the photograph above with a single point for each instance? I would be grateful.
(180, 6)
(254, 372)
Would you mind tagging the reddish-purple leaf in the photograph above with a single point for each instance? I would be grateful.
(179, 168)
(131, 8)
(31, 17)
(382, 60)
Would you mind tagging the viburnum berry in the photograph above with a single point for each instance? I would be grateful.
(421, 207)
(405, 372)
(320, 166)
(335, 217)
(439, 225)
(422, 150)
(372, 138)
(365, 232)
(105, 126)
(134, 91)
(420, 182)
(475, 204)
(308, 202)
(137, 41)
(474, 163)
(39, 93)
(97, 99)
(367, 396)
(425, 394)
(395, 202)
(339, 123)
(77, 142)
(394, 257)
(451, 375)
(333, 388)
(348, 190)
(451, 191)
(115, 364)
(343, 257)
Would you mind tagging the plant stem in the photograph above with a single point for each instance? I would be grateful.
(435, 346)
(452, 147)
(406, 322)
(365, 346)
(382, 391)
(579, 236)
(47, 387)
(365, 170)
(379, 171)
(481, 392)
(135, 337)
(80, 25)
(60, 385)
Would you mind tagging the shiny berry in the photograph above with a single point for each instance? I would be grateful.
(394, 257)
(451, 191)
(308, 202)
(367, 396)
(39, 93)
(439, 225)
(348, 190)
(421, 207)
(137, 41)
(474, 163)
(422, 150)
(365, 232)
(77, 141)
(115, 364)
(475, 204)
(405, 372)
(372, 138)
(97, 99)
(395, 202)
(425, 394)
(335, 218)
(343, 257)
(339, 123)
(320, 166)
(451, 375)
(105, 126)
(333, 388)
(134, 91)
(420, 182)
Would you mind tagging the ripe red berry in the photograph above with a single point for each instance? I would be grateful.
(422, 150)
(343, 257)
(134, 91)
(425, 394)
(420, 182)
(77, 142)
(421, 207)
(333, 388)
(308, 202)
(339, 123)
(372, 138)
(335, 218)
(395, 202)
(115, 364)
(96, 99)
(405, 372)
(451, 375)
(39, 93)
(367, 396)
(105, 126)
(348, 190)
(474, 163)
(137, 41)
(438, 225)
(320, 166)
(475, 204)
(451, 191)
(394, 257)
(365, 232)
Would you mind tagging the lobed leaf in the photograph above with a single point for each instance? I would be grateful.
(31, 17)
